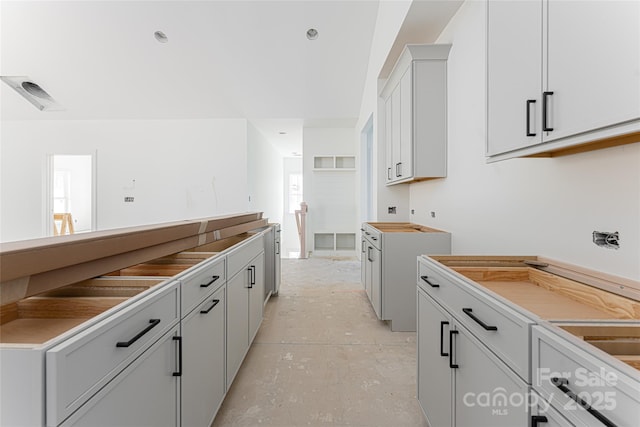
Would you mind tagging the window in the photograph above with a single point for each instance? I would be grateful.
(61, 190)
(295, 192)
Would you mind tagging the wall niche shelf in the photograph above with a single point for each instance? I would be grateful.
(334, 163)
(334, 241)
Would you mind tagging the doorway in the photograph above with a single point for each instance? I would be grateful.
(293, 195)
(70, 205)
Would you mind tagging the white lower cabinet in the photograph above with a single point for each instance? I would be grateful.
(389, 251)
(245, 302)
(373, 277)
(203, 383)
(460, 382)
(145, 394)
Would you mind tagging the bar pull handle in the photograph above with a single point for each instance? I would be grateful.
(536, 419)
(179, 373)
(545, 108)
(278, 248)
(442, 353)
(209, 283)
(388, 174)
(374, 238)
(215, 302)
(529, 102)
(152, 324)
(430, 283)
(252, 276)
(398, 169)
(451, 364)
(562, 384)
(369, 253)
(469, 312)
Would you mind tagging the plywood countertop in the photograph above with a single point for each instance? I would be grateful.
(402, 227)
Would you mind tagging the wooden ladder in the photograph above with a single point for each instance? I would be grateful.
(66, 224)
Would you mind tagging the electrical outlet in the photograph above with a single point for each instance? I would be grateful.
(392, 209)
(606, 239)
(433, 214)
(128, 199)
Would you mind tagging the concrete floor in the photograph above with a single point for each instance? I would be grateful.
(321, 357)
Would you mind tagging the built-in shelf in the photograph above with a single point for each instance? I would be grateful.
(334, 241)
(334, 163)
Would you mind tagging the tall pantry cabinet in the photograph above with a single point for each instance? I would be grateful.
(560, 74)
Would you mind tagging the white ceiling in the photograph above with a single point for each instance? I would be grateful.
(224, 59)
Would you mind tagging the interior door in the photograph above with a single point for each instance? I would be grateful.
(70, 205)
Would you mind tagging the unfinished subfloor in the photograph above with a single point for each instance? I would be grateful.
(321, 357)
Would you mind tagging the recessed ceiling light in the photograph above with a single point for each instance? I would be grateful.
(32, 92)
(312, 34)
(161, 37)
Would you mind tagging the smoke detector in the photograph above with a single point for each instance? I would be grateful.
(32, 92)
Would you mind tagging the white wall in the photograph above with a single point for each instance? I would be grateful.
(183, 169)
(545, 207)
(331, 196)
(265, 175)
(391, 15)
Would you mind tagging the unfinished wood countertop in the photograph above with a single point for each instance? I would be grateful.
(402, 227)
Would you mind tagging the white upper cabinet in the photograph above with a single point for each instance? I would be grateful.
(415, 115)
(514, 75)
(561, 74)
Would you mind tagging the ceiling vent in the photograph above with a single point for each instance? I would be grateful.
(32, 92)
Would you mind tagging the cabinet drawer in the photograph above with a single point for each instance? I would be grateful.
(562, 368)
(372, 235)
(239, 257)
(82, 365)
(201, 283)
(546, 415)
(496, 325)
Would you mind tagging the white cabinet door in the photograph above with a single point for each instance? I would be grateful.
(237, 323)
(487, 393)
(373, 278)
(144, 394)
(376, 281)
(514, 75)
(405, 169)
(395, 133)
(593, 64)
(255, 295)
(389, 172)
(203, 384)
(434, 375)
(363, 261)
